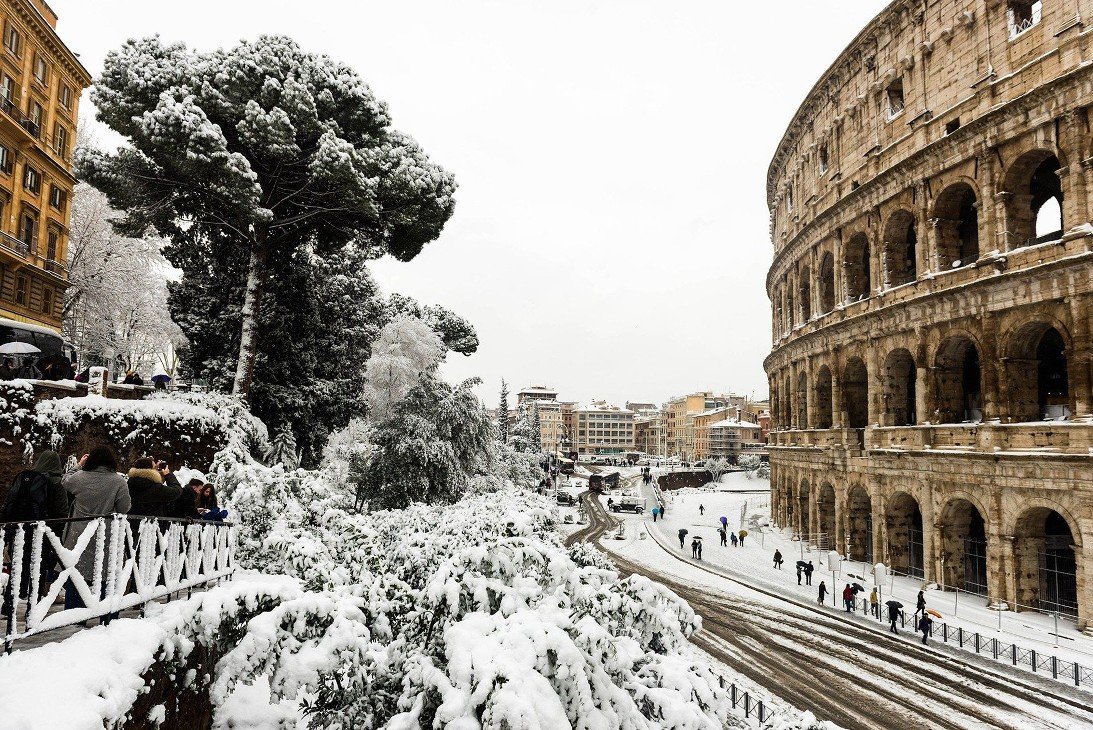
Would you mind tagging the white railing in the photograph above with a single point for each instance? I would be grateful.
(118, 571)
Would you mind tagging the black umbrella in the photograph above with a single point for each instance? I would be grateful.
(683, 531)
(802, 564)
(894, 605)
(857, 587)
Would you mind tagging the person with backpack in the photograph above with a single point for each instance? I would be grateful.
(150, 494)
(36, 494)
(97, 489)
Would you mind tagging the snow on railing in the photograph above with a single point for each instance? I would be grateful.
(110, 569)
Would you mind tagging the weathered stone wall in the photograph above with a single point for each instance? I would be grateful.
(923, 327)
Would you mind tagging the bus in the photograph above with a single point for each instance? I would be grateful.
(600, 482)
(49, 342)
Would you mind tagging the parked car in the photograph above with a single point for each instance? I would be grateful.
(566, 498)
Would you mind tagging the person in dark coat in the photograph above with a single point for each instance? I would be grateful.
(45, 476)
(893, 617)
(210, 509)
(920, 604)
(29, 370)
(848, 598)
(682, 537)
(808, 573)
(733, 536)
(132, 378)
(821, 593)
(925, 624)
(185, 507)
(7, 370)
(778, 560)
(150, 495)
(721, 533)
(800, 571)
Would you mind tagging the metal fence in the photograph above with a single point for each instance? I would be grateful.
(116, 563)
(741, 699)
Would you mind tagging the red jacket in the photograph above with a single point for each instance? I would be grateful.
(848, 593)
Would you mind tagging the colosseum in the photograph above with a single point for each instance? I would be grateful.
(931, 284)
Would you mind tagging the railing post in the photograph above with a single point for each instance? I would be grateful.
(1033, 653)
(1077, 675)
(732, 693)
(994, 646)
(1013, 652)
(1054, 667)
(945, 633)
(747, 705)
(960, 636)
(976, 642)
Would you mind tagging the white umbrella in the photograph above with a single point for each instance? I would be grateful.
(18, 348)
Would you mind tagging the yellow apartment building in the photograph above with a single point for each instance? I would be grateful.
(40, 85)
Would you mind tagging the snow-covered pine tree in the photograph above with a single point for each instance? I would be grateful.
(523, 435)
(536, 427)
(503, 413)
(254, 151)
(282, 449)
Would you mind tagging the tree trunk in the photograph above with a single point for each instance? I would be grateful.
(252, 305)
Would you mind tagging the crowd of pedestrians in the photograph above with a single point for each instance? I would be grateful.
(93, 489)
(922, 620)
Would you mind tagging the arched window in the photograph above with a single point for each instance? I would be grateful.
(823, 398)
(957, 219)
(1034, 209)
(827, 283)
(856, 264)
(899, 388)
(1038, 383)
(900, 244)
(958, 381)
(806, 295)
(856, 393)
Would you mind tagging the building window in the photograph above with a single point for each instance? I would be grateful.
(64, 96)
(32, 180)
(5, 160)
(58, 197)
(47, 300)
(51, 246)
(952, 125)
(60, 140)
(1023, 15)
(895, 99)
(823, 159)
(28, 230)
(33, 123)
(21, 290)
(13, 41)
(41, 70)
(789, 200)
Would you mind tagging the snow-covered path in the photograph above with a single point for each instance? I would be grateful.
(842, 671)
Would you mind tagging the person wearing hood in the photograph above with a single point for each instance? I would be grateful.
(151, 496)
(36, 494)
(8, 370)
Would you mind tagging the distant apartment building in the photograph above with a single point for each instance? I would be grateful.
(679, 416)
(40, 85)
(731, 437)
(649, 434)
(552, 423)
(602, 429)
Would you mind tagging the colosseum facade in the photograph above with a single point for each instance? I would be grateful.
(931, 285)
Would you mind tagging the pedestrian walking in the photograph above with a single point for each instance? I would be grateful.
(733, 536)
(895, 611)
(799, 573)
(743, 534)
(682, 537)
(694, 547)
(724, 522)
(821, 593)
(848, 598)
(874, 607)
(699, 547)
(808, 573)
(724, 540)
(701, 509)
(920, 604)
(925, 625)
(778, 559)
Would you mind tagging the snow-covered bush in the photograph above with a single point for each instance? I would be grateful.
(748, 461)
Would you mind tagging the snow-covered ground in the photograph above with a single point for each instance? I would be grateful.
(754, 562)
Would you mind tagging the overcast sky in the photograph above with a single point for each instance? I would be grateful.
(610, 233)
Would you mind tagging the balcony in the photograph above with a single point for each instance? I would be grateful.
(14, 245)
(11, 110)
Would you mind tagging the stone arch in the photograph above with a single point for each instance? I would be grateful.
(956, 216)
(1034, 205)
(899, 388)
(903, 527)
(827, 282)
(787, 405)
(825, 513)
(958, 380)
(801, 399)
(822, 403)
(791, 308)
(1046, 544)
(855, 389)
(963, 533)
(856, 263)
(859, 523)
(900, 248)
(1038, 382)
(803, 497)
(805, 292)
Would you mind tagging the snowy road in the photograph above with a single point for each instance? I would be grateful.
(842, 672)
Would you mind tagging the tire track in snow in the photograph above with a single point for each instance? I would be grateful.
(847, 674)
